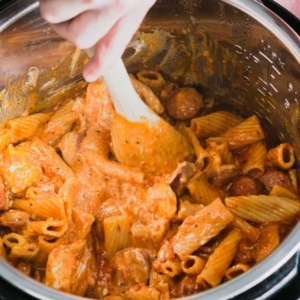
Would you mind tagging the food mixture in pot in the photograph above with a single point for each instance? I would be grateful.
(79, 221)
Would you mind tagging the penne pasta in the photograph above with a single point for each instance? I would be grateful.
(193, 265)
(214, 124)
(51, 161)
(167, 90)
(27, 127)
(201, 154)
(50, 228)
(158, 229)
(12, 240)
(3, 197)
(201, 191)
(26, 252)
(55, 207)
(246, 133)
(250, 232)
(221, 146)
(187, 208)
(59, 124)
(236, 270)
(152, 79)
(19, 246)
(69, 145)
(268, 241)
(140, 231)
(221, 258)
(5, 138)
(2, 250)
(262, 208)
(47, 244)
(254, 160)
(81, 224)
(148, 96)
(116, 234)
(213, 163)
(192, 234)
(161, 283)
(171, 268)
(282, 156)
(282, 191)
(292, 174)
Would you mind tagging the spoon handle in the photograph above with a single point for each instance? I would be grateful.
(126, 101)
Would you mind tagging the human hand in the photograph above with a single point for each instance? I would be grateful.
(107, 24)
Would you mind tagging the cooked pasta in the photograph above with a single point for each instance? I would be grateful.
(292, 174)
(282, 156)
(214, 124)
(268, 241)
(201, 154)
(220, 145)
(78, 217)
(187, 208)
(152, 79)
(202, 191)
(261, 209)
(281, 191)
(254, 160)
(27, 127)
(221, 259)
(5, 138)
(192, 234)
(59, 124)
(246, 133)
(193, 265)
(250, 232)
(236, 270)
(116, 234)
(171, 268)
(148, 95)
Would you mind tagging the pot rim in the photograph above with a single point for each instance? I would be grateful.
(229, 289)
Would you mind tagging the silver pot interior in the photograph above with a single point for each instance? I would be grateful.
(235, 52)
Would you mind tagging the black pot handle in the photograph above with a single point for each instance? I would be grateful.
(284, 14)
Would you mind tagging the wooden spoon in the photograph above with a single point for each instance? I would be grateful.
(140, 138)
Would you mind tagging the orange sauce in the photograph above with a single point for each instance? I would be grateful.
(154, 147)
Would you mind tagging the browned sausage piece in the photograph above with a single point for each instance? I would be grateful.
(130, 266)
(184, 103)
(188, 286)
(224, 175)
(245, 185)
(273, 177)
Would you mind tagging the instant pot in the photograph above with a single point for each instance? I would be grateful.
(244, 56)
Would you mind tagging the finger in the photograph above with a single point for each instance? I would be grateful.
(113, 44)
(58, 11)
(89, 27)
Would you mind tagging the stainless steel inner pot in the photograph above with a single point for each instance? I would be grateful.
(235, 51)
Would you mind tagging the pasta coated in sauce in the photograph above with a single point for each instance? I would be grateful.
(77, 220)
